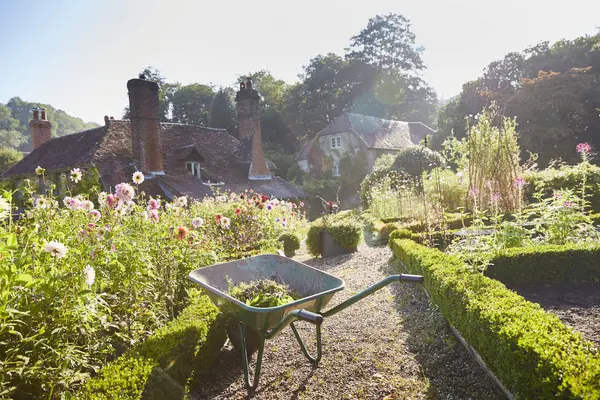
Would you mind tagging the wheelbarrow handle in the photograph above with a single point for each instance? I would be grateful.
(311, 317)
(372, 289)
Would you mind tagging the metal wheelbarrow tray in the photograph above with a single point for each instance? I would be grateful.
(317, 288)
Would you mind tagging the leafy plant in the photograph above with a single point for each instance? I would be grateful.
(291, 242)
(263, 293)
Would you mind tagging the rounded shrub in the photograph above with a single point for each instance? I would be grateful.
(343, 227)
(291, 243)
(413, 160)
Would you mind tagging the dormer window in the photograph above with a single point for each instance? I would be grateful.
(336, 142)
(193, 168)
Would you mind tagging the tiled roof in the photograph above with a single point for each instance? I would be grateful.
(109, 149)
(63, 152)
(379, 133)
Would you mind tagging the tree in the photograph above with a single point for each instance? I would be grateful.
(192, 104)
(9, 157)
(10, 136)
(555, 111)
(62, 123)
(222, 111)
(388, 43)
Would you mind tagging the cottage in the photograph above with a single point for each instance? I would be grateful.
(176, 159)
(356, 134)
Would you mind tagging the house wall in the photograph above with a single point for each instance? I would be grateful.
(350, 143)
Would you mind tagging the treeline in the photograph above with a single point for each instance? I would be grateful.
(553, 91)
(14, 128)
(377, 75)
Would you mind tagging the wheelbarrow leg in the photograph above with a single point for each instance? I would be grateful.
(245, 365)
(313, 360)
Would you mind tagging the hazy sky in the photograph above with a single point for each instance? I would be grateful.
(78, 54)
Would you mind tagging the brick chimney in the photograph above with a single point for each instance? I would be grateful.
(40, 128)
(248, 113)
(145, 125)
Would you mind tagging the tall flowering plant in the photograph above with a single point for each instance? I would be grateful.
(83, 277)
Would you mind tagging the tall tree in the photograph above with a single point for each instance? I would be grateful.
(388, 43)
(222, 111)
(192, 104)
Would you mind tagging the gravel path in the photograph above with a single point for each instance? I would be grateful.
(391, 345)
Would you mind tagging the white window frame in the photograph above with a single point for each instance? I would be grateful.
(335, 171)
(335, 142)
(195, 168)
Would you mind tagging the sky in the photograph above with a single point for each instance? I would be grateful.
(78, 55)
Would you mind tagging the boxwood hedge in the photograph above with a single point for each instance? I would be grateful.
(166, 365)
(532, 352)
(546, 264)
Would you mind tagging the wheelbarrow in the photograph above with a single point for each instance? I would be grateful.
(261, 324)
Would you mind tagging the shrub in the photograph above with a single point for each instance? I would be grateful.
(291, 242)
(532, 352)
(165, 365)
(344, 227)
(447, 187)
(414, 160)
(570, 177)
(546, 264)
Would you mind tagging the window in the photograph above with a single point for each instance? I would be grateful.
(193, 168)
(336, 142)
(336, 169)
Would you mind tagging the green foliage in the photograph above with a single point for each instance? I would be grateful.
(569, 177)
(345, 228)
(14, 123)
(490, 154)
(291, 242)
(546, 264)
(384, 161)
(263, 293)
(552, 91)
(165, 365)
(532, 352)
(192, 104)
(446, 187)
(222, 111)
(9, 157)
(414, 160)
(87, 281)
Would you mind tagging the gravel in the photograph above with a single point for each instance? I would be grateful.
(391, 345)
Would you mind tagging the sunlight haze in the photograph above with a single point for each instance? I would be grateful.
(78, 56)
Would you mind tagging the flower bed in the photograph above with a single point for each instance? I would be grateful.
(530, 351)
(87, 281)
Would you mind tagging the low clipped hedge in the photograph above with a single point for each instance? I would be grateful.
(546, 264)
(168, 364)
(345, 228)
(532, 352)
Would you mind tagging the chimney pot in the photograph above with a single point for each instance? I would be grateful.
(41, 129)
(106, 120)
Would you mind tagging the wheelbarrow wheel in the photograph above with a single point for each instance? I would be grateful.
(252, 337)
